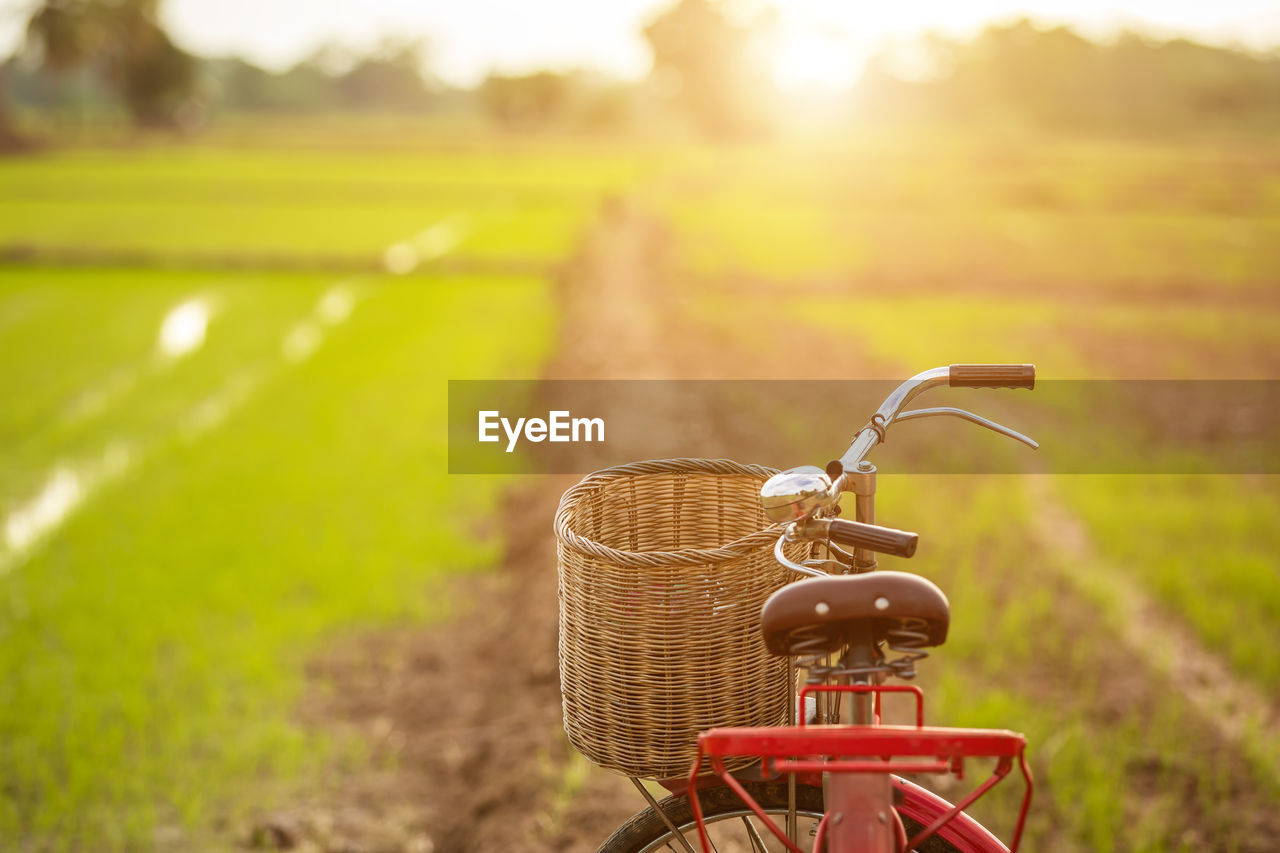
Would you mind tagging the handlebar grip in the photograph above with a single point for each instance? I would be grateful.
(873, 537)
(992, 376)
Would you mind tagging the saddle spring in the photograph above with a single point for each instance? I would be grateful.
(908, 638)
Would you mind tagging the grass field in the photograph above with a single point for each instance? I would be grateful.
(301, 207)
(182, 528)
(1022, 214)
(153, 642)
(185, 527)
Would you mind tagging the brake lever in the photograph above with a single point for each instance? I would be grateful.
(972, 418)
(789, 535)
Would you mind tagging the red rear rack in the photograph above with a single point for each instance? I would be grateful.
(863, 749)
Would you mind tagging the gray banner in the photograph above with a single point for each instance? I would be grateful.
(1083, 427)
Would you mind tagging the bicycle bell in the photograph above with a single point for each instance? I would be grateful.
(797, 493)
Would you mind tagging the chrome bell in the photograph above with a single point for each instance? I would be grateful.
(796, 493)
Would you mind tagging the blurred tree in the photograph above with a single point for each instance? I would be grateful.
(241, 85)
(123, 42)
(10, 138)
(704, 61)
(1055, 78)
(1046, 75)
(333, 78)
(156, 78)
(528, 102)
(390, 77)
(579, 99)
(608, 107)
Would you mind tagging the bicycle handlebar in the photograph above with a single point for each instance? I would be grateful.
(992, 376)
(799, 493)
(956, 376)
(872, 537)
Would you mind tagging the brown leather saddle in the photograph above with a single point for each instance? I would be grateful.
(825, 611)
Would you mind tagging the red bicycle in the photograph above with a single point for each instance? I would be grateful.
(831, 778)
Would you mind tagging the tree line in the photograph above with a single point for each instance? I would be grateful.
(1056, 78)
(92, 57)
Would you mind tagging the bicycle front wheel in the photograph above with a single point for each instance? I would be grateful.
(732, 826)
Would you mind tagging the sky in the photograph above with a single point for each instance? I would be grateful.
(822, 42)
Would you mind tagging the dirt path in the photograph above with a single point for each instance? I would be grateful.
(469, 711)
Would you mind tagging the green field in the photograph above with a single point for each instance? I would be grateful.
(314, 208)
(153, 641)
(185, 531)
(182, 529)
(1018, 214)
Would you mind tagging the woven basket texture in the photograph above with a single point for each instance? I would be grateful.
(663, 568)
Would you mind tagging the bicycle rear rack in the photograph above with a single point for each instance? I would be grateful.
(862, 749)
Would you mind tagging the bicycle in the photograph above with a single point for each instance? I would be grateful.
(830, 774)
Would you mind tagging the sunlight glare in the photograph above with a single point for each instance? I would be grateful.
(400, 259)
(66, 488)
(45, 511)
(302, 341)
(336, 305)
(183, 330)
(213, 410)
(809, 59)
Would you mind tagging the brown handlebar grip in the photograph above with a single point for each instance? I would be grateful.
(873, 537)
(992, 376)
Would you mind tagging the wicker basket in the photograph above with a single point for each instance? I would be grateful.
(664, 566)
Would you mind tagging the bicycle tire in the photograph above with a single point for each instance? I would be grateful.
(646, 832)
